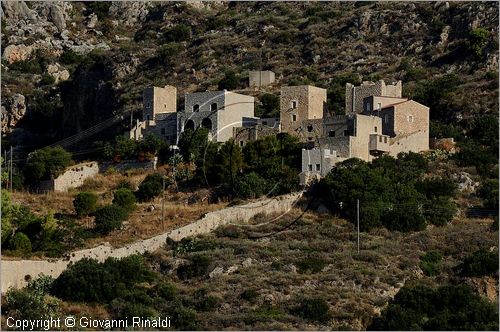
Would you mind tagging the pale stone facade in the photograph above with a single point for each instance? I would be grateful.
(257, 79)
(355, 95)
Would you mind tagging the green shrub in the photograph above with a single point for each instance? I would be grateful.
(27, 66)
(151, 187)
(100, 8)
(448, 307)
(85, 203)
(165, 291)
(125, 198)
(21, 243)
(249, 295)
(124, 184)
(489, 193)
(229, 82)
(313, 309)
(429, 263)
(404, 218)
(46, 163)
(198, 267)
(440, 211)
(109, 218)
(47, 80)
(90, 281)
(69, 57)
(178, 33)
(480, 263)
(168, 52)
(437, 187)
(478, 39)
(311, 265)
(249, 186)
(205, 302)
(269, 106)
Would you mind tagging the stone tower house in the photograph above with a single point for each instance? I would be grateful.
(354, 95)
(298, 104)
(158, 101)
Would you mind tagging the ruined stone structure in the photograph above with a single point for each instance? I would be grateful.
(255, 130)
(257, 79)
(73, 177)
(299, 105)
(355, 95)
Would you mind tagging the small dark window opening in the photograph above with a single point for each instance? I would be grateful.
(331, 133)
(346, 132)
(309, 128)
(196, 108)
(213, 107)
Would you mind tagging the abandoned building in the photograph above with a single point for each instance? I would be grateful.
(260, 78)
(355, 95)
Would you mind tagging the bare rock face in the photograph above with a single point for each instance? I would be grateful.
(13, 112)
(15, 53)
(131, 12)
(92, 21)
(57, 17)
(58, 72)
(18, 10)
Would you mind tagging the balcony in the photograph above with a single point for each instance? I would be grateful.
(378, 143)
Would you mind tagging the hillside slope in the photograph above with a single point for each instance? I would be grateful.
(111, 51)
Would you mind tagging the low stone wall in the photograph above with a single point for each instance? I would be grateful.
(15, 273)
(73, 177)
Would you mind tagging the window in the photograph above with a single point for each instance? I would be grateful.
(213, 107)
(163, 131)
(380, 139)
(310, 138)
(294, 117)
(309, 128)
(386, 118)
(375, 129)
(385, 139)
(331, 133)
(164, 105)
(346, 132)
(310, 167)
(147, 117)
(196, 108)
(295, 104)
(148, 105)
(318, 167)
(241, 143)
(368, 106)
(410, 118)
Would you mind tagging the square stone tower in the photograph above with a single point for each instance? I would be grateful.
(158, 101)
(298, 104)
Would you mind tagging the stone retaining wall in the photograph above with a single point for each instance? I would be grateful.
(15, 273)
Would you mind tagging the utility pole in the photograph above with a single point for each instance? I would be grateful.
(6, 165)
(10, 180)
(131, 119)
(163, 205)
(357, 217)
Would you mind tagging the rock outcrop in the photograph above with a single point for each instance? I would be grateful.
(15, 53)
(13, 112)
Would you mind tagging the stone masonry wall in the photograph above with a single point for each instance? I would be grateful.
(14, 273)
(73, 177)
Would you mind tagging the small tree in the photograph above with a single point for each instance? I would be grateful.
(151, 187)
(85, 203)
(46, 163)
(480, 263)
(229, 82)
(314, 309)
(21, 243)
(109, 218)
(125, 198)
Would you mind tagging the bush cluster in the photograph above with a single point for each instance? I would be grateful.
(125, 198)
(392, 193)
(448, 307)
(429, 263)
(46, 163)
(85, 203)
(151, 187)
(109, 218)
(480, 263)
(197, 267)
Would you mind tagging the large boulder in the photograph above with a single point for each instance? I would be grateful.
(18, 10)
(13, 112)
(15, 53)
(57, 17)
(130, 12)
(58, 72)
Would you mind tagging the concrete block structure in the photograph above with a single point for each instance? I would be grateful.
(261, 78)
(355, 95)
(298, 105)
(218, 111)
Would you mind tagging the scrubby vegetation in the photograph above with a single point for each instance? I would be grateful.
(46, 163)
(85, 203)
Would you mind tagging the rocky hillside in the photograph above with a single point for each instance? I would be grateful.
(68, 65)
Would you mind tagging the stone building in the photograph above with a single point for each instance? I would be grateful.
(355, 95)
(218, 111)
(72, 177)
(299, 107)
(260, 78)
(255, 130)
(159, 114)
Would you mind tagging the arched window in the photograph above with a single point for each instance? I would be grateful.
(189, 124)
(309, 128)
(213, 107)
(196, 108)
(206, 123)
